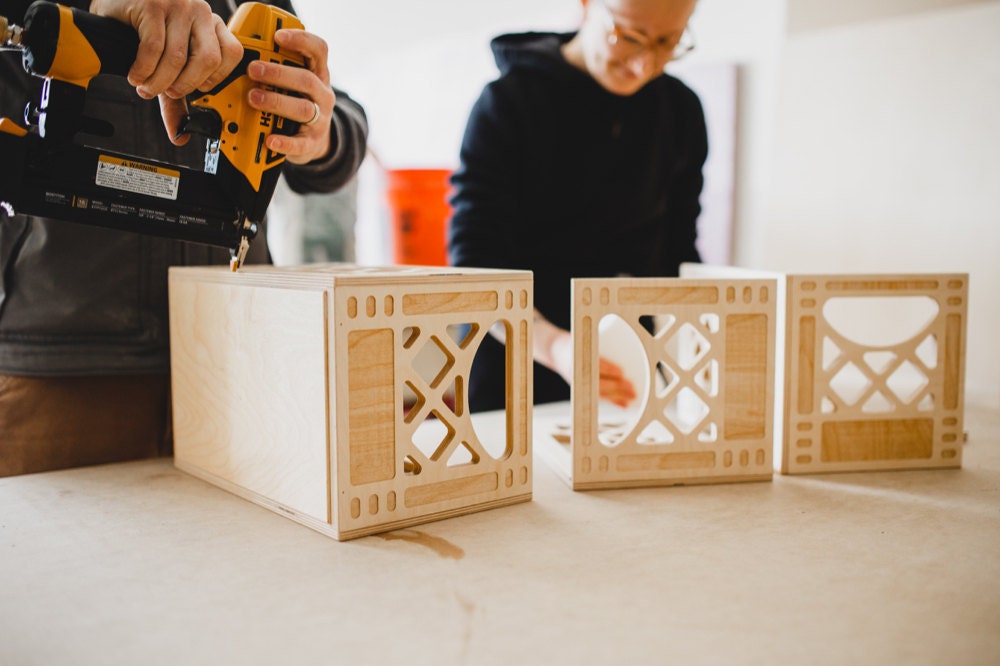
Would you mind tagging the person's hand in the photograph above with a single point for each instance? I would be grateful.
(313, 109)
(614, 386)
(183, 46)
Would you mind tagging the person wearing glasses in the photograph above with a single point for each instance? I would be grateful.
(583, 159)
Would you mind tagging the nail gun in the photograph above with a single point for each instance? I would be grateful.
(47, 169)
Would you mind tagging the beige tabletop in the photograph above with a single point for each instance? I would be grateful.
(142, 564)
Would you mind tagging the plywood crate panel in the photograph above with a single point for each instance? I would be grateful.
(706, 414)
(336, 394)
(872, 371)
(875, 370)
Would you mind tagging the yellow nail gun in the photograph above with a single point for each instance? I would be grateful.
(46, 170)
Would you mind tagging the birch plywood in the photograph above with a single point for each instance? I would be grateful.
(875, 372)
(307, 390)
(707, 415)
(249, 389)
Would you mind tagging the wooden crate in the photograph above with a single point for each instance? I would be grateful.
(873, 369)
(336, 395)
(705, 410)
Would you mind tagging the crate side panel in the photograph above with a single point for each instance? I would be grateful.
(708, 411)
(426, 415)
(249, 388)
(875, 372)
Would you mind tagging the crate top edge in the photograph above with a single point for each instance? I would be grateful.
(696, 271)
(327, 275)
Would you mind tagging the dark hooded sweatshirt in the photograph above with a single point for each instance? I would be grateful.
(561, 177)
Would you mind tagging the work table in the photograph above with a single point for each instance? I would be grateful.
(141, 563)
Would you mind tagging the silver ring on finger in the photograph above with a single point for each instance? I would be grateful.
(316, 115)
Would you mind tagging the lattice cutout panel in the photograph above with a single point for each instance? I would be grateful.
(337, 395)
(875, 372)
(707, 415)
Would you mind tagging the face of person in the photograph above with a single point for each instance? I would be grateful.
(624, 44)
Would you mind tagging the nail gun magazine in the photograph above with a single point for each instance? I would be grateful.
(54, 160)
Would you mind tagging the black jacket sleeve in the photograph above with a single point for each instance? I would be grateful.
(348, 143)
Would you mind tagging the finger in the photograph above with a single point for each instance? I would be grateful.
(152, 32)
(190, 24)
(614, 398)
(287, 77)
(619, 391)
(173, 112)
(313, 47)
(298, 149)
(300, 109)
(232, 55)
(204, 57)
(174, 56)
(609, 369)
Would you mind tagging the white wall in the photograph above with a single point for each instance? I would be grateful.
(887, 159)
(867, 137)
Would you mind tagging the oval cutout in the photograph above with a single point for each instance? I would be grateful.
(492, 432)
(880, 321)
(620, 344)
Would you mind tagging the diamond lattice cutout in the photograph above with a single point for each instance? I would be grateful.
(927, 352)
(462, 334)
(907, 382)
(850, 384)
(410, 335)
(433, 436)
(411, 466)
(662, 324)
(686, 410)
(687, 346)
(433, 362)
(611, 433)
(707, 378)
(655, 434)
(665, 379)
(831, 353)
(413, 402)
(877, 404)
(463, 455)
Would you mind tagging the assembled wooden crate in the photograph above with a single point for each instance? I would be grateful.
(873, 369)
(336, 395)
(705, 409)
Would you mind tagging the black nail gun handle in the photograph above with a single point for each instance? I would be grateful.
(74, 46)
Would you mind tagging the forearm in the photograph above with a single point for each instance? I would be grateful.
(551, 345)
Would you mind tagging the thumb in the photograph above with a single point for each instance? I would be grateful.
(173, 112)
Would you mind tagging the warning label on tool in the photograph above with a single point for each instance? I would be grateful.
(131, 176)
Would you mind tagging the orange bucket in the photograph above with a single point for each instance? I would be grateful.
(418, 205)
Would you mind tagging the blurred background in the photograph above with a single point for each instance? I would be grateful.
(856, 136)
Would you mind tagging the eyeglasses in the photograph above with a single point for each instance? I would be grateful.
(629, 44)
